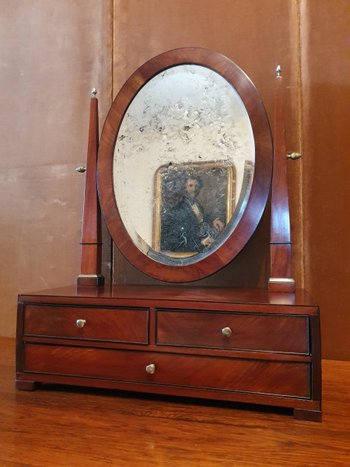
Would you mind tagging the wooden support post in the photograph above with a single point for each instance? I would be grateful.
(91, 240)
(280, 243)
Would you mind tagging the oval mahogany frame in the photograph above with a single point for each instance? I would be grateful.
(262, 173)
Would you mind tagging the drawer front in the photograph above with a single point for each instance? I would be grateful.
(251, 376)
(266, 333)
(118, 325)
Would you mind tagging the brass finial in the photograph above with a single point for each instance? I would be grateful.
(278, 71)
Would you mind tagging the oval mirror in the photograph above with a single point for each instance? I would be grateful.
(184, 164)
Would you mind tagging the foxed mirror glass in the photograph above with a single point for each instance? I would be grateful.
(184, 164)
(180, 167)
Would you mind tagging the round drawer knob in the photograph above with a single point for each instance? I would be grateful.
(80, 323)
(151, 369)
(227, 332)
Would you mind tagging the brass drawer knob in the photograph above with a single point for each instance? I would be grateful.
(227, 332)
(150, 369)
(80, 323)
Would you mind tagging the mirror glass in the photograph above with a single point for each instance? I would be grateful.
(183, 164)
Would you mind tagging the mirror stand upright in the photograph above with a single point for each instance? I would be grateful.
(192, 131)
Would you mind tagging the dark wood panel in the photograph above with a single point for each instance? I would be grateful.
(280, 378)
(325, 186)
(121, 325)
(248, 332)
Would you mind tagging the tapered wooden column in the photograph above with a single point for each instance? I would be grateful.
(91, 241)
(280, 243)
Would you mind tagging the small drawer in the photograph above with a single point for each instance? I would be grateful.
(265, 333)
(249, 376)
(106, 324)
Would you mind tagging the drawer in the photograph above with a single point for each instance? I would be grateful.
(265, 333)
(107, 324)
(250, 376)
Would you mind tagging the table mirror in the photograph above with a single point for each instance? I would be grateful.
(185, 164)
(184, 174)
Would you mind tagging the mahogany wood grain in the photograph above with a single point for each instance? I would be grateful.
(91, 427)
(51, 350)
(185, 350)
(91, 239)
(118, 325)
(311, 415)
(26, 385)
(316, 350)
(262, 171)
(280, 242)
(197, 296)
(182, 391)
(249, 332)
(197, 372)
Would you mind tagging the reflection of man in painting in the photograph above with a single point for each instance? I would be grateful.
(187, 227)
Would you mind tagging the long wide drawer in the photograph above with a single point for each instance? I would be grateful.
(251, 376)
(269, 333)
(110, 324)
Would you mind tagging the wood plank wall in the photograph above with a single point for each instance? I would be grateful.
(53, 53)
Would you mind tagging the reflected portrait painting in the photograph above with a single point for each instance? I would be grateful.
(194, 203)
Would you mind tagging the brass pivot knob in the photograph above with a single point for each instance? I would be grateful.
(150, 369)
(294, 155)
(81, 169)
(80, 323)
(227, 332)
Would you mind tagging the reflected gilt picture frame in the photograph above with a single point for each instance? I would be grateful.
(184, 228)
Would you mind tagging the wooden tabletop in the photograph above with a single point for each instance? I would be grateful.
(179, 293)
